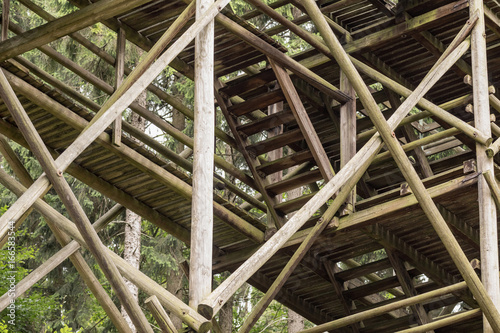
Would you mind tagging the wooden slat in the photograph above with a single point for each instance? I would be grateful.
(256, 103)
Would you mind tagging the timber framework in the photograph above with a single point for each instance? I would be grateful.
(388, 118)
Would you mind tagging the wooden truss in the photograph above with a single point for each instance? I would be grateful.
(232, 239)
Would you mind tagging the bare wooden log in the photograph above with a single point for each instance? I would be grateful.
(161, 317)
(348, 320)
(487, 210)
(200, 277)
(73, 207)
(171, 302)
(405, 166)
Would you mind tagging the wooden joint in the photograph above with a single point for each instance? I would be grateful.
(334, 223)
(468, 80)
(405, 189)
(469, 108)
(493, 118)
(470, 166)
(491, 90)
(475, 264)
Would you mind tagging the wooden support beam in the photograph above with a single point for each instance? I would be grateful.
(73, 207)
(121, 41)
(303, 121)
(487, 210)
(430, 209)
(348, 134)
(339, 289)
(65, 25)
(200, 275)
(148, 285)
(137, 81)
(408, 288)
(357, 317)
(5, 19)
(161, 317)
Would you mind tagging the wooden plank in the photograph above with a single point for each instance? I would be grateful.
(487, 210)
(274, 142)
(65, 25)
(202, 218)
(265, 123)
(303, 121)
(256, 103)
(285, 162)
(293, 182)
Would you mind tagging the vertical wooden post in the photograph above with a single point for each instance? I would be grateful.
(487, 209)
(5, 19)
(119, 72)
(200, 277)
(348, 133)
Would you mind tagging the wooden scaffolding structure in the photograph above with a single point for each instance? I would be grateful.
(365, 154)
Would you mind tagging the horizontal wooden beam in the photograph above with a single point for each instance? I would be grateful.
(65, 25)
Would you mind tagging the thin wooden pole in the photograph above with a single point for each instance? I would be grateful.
(357, 317)
(71, 203)
(5, 19)
(148, 285)
(200, 277)
(362, 159)
(348, 133)
(136, 82)
(487, 210)
(424, 199)
(121, 41)
(449, 320)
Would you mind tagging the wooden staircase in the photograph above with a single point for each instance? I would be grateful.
(251, 117)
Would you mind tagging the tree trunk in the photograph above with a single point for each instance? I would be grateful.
(132, 251)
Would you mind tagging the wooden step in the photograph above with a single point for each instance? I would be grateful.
(294, 182)
(284, 163)
(294, 204)
(274, 142)
(256, 103)
(262, 124)
(240, 86)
